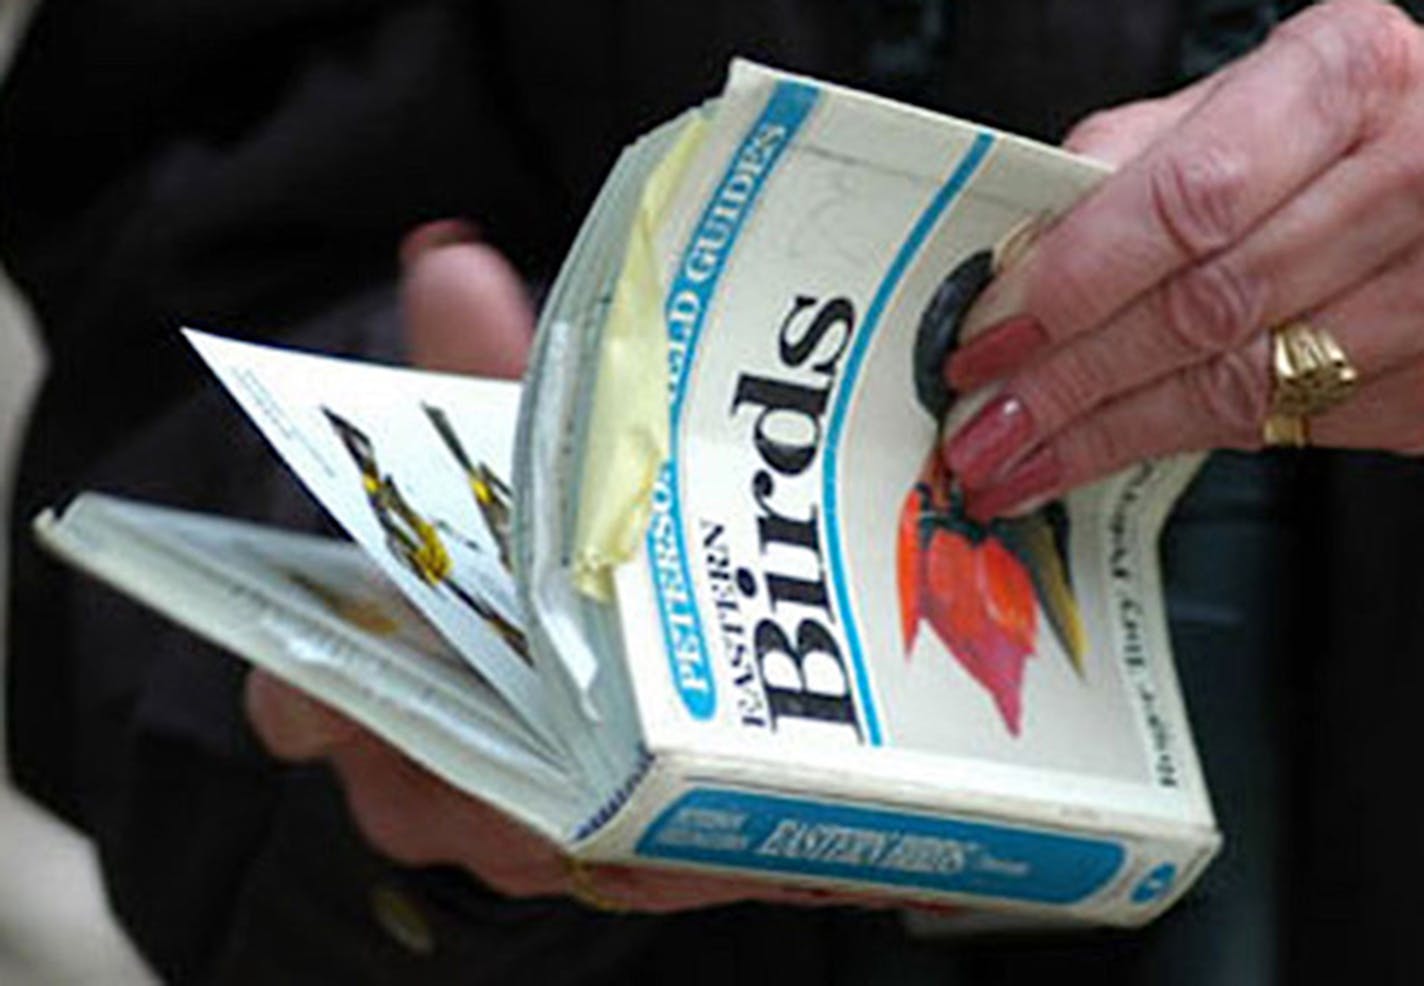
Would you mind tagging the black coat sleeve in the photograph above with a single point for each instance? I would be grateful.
(249, 169)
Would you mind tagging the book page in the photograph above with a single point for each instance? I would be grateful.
(319, 614)
(415, 467)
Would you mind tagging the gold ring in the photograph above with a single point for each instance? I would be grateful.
(582, 889)
(1310, 374)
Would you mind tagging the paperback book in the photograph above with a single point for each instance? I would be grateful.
(699, 591)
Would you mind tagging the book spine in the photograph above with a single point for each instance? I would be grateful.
(978, 862)
(620, 797)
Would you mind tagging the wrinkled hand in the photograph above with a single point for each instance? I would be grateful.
(466, 311)
(1290, 184)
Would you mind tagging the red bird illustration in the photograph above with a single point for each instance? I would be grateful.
(980, 587)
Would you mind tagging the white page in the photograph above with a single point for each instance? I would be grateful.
(413, 509)
(331, 582)
(318, 614)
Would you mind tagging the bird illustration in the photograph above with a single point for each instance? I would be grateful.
(410, 537)
(492, 494)
(423, 545)
(980, 586)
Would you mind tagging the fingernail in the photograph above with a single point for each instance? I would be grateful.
(1027, 485)
(993, 354)
(999, 434)
(963, 411)
(436, 233)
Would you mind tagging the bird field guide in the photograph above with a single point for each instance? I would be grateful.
(699, 591)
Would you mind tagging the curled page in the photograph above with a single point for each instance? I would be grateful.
(414, 466)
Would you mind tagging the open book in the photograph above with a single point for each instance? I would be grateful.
(699, 592)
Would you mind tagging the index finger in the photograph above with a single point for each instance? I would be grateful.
(1276, 121)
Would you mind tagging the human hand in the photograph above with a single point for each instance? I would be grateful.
(416, 819)
(465, 310)
(1289, 185)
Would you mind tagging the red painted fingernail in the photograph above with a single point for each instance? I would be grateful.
(1028, 482)
(993, 440)
(997, 350)
(436, 233)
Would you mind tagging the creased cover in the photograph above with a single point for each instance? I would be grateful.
(810, 592)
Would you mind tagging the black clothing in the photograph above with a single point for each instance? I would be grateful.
(251, 168)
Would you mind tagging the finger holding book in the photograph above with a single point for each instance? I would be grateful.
(1147, 320)
(466, 311)
(416, 819)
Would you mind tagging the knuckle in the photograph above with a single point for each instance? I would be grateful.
(1210, 308)
(517, 875)
(1127, 123)
(1066, 387)
(1367, 54)
(1381, 48)
(385, 824)
(393, 840)
(1230, 392)
(1091, 128)
(1197, 197)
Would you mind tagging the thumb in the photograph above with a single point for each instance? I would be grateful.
(465, 307)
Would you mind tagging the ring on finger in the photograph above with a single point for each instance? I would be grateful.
(1310, 374)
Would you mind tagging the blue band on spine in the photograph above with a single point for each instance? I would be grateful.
(777, 834)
